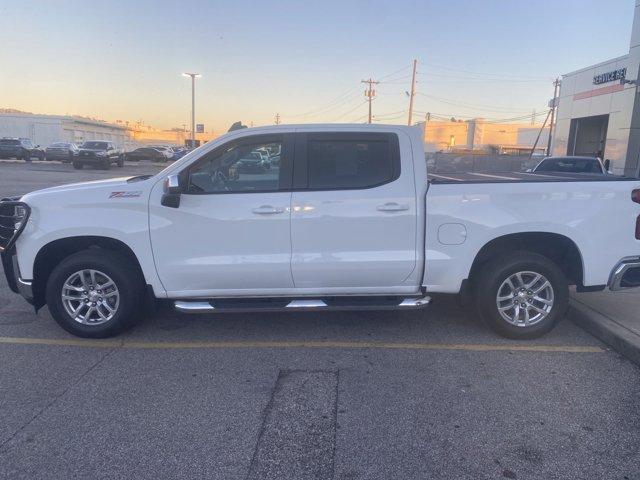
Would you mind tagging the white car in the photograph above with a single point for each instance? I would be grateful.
(572, 164)
(349, 220)
(166, 151)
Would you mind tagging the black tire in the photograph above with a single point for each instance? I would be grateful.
(498, 270)
(78, 165)
(126, 278)
(121, 161)
(26, 156)
(42, 156)
(104, 165)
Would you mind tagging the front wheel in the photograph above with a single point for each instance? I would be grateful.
(26, 156)
(121, 161)
(78, 165)
(94, 293)
(521, 295)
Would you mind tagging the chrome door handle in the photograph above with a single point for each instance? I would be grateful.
(267, 210)
(392, 207)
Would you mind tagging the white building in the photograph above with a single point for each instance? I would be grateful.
(599, 111)
(46, 129)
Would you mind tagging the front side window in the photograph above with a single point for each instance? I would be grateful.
(244, 167)
(350, 163)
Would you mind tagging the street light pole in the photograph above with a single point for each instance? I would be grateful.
(193, 105)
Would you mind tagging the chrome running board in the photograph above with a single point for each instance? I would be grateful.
(246, 305)
(192, 307)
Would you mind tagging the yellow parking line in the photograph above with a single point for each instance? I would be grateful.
(473, 347)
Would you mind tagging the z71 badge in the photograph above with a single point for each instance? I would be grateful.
(125, 194)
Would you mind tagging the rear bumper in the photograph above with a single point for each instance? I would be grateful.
(12, 272)
(626, 274)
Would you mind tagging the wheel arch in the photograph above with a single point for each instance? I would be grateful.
(51, 254)
(557, 247)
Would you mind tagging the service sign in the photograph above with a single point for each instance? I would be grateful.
(614, 75)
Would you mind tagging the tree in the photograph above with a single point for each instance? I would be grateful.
(236, 126)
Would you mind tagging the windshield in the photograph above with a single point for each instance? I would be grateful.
(95, 145)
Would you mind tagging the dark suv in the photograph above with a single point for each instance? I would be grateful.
(98, 153)
(21, 148)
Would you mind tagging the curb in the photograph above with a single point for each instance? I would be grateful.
(618, 337)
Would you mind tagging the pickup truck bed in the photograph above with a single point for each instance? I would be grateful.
(522, 177)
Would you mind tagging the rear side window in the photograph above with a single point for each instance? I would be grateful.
(351, 163)
(9, 142)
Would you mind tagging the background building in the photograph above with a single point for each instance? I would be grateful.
(47, 129)
(599, 112)
(481, 134)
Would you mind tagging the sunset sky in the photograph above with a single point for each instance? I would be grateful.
(303, 59)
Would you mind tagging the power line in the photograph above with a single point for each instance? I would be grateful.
(479, 79)
(328, 105)
(397, 71)
(350, 111)
(472, 106)
(453, 69)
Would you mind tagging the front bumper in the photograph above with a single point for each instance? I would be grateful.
(626, 274)
(11, 270)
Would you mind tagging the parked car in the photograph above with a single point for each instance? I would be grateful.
(20, 148)
(178, 152)
(349, 220)
(63, 151)
(145, 153)
(571, 165)
(98, 153)
(166, 151)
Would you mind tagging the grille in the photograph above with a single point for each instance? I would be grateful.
(13, 219)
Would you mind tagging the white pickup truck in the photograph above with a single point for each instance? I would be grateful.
(331, 216)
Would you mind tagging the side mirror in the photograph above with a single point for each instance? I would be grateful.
(172, 191)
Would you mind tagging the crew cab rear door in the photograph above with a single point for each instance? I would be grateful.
(353, 220)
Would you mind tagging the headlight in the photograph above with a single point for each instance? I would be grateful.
(20, 214)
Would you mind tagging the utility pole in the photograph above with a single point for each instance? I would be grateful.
(533, 149)
(554, 104)
(370, 93)
(533, 117)
(413, 92)
(193, 106)
(277, 119)
(427, 117)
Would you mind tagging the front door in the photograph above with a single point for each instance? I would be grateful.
(230, 234)
(353, 224)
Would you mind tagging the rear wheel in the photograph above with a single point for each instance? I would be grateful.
(521, 295)
(94, 293)
(78, 165)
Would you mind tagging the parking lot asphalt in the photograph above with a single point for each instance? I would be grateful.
(428, 394)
